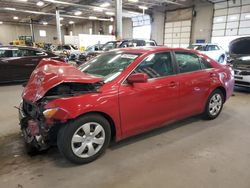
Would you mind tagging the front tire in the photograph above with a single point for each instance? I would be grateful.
(84, 139)
(214, 105)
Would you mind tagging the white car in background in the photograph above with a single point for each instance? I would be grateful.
(67, 49)
(213, 51)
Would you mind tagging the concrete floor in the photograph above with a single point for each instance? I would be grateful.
(192, 153)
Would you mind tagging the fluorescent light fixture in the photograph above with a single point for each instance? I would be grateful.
(71, 22)
(40, 3)
(133, 1)
(23, 0)
(8, 8)
(1, 22)
(61, 18)
(110, 13)
(78, 13)
(45, 23)
(15, 18)
(143, 7)
(98, 9)
(104, 5)
(247, 16)
(92, 18)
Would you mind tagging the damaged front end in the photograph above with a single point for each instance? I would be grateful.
(40, 124)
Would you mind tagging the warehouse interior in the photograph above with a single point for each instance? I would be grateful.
(46, 44)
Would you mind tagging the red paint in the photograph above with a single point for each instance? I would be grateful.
(33, 127)
(137, 107)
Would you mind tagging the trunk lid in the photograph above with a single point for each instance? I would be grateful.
(50, 73)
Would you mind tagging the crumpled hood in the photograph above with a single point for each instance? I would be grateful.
(50, 73)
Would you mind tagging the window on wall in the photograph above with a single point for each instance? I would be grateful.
(141, 27)
(231, 20)
(42, 33)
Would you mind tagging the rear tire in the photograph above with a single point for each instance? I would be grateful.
(214, 105)
(84, 139)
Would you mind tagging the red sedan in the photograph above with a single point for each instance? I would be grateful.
(116, 95)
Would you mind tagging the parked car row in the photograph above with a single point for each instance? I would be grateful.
(18, 62)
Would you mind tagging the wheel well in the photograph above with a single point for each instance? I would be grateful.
(223, 90)
(110, 120)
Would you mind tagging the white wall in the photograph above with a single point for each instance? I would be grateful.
(10, 32)
(83, 28)
(127, 26)
(157, 28)
(202, 22)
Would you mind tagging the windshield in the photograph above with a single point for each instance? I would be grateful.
(110, 45)
(108, 65)
(197, 47)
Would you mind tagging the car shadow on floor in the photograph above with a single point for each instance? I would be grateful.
(244, 90)
(13, 152)
(13, 84)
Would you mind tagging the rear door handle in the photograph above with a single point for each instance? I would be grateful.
(5, 61)
(29, 65)
(212, 75)
(35, 60)
(172, 84)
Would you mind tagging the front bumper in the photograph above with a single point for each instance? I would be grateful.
(21, 113)
(241, 80)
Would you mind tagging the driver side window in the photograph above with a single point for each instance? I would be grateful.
(156, 65)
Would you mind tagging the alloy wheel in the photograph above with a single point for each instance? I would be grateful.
(215, 104)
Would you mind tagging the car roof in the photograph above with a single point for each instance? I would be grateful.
(204, 44)
(153, 49)
(15, 46)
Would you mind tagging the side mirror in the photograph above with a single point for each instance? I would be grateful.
(137, 78)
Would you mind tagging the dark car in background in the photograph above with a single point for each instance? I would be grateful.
(125, 43)
(239, 51)
(18, 62)
(128, 43)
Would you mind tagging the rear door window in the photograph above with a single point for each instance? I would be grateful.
(187, 62)
(5, 53)
(212, 47)
(24, 53)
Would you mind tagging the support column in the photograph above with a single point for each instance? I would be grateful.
(58, 27)
(118, 20)
(32, 30)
